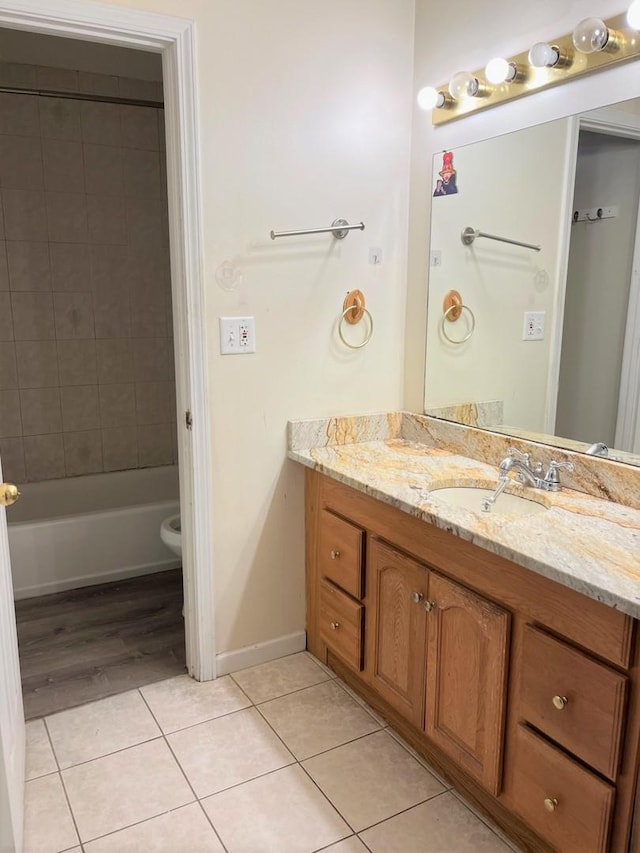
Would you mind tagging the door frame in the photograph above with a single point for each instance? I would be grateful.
(174, 38)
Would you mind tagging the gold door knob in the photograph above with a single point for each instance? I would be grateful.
(335, 626)
(417, 597)
(429, 606)
(9, 494)
(335, 555)
(560, 702)
(551, 804)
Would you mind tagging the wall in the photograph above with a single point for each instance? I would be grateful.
(86, 368)
(597, 299)
(305, 112)
(499, 282)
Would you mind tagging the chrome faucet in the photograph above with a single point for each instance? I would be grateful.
(527, 474)
(598, 449)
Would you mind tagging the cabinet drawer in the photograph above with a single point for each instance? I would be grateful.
(340, 553)
(341, 623)
(566, 805)
(573, 699)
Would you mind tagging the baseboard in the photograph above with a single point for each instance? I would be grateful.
(94, 580)
(227, 662)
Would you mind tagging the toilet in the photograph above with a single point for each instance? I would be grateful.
(171, 534)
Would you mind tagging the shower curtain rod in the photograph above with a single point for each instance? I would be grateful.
(79, 96)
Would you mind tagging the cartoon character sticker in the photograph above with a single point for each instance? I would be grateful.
(446, 183)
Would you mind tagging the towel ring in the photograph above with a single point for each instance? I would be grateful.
(354, 311)
(456, 308)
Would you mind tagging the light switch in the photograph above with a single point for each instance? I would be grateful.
(237, 335)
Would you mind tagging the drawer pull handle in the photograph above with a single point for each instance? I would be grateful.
(551, 804)
(560, 702)
(335, 626)
(335, 555)
(429, 606)
(417, 597)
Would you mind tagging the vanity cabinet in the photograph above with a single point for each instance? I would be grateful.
(525, 694)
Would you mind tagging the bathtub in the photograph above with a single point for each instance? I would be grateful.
(93, 529)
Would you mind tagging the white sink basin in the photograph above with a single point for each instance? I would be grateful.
(470, 497)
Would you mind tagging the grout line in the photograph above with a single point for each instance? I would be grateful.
(288, 693)
(109, 754)
(64, 787)
(403, 811)
(497, 831)
(333, 844)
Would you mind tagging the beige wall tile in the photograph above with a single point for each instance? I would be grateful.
(145, 222)
(98, 84)
(151, 359)
(41, 412)
(148, 316)
(57, 79)
(112, 315)
(140, 90)
(67, 217)
(32, 316)
(155, 402)
(6, 318)
(8, 366)
(80, 408)
(100, 123)
(28, 265)
(174, 443)
(120, 448)
(19, 115)
(4, 268)
(63, 165)
(118, 405)
(12, 458)
(25, 216)
(10, 420)
(115, 360)
(21, 162)
(60, 119)
(70, 267)
(103, 169)
(82, 452)
(141, 170)
(107, 222)
(73, 315)
(139, 127)
(44, 457)
(77, 362)
(154, 445)
(161, 132)
(37, 364)
(18, 74)
(109, 270)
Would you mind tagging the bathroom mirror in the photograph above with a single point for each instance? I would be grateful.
(545, 343)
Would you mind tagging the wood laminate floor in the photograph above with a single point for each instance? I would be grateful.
(88, 643)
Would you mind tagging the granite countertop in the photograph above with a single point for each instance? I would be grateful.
(583, 542)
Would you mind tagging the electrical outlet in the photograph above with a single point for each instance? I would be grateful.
(533, 329)
(237, 335)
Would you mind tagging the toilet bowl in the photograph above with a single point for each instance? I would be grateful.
(171, 534)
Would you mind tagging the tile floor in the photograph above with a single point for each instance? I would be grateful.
(279, 758)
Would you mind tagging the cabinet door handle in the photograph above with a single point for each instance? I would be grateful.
(551, 804)
(560, 702)
(417, 597)
(335, 626)
(429, 606)
(335, 555)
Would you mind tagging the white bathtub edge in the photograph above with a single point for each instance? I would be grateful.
(94, 580)
(279, 647)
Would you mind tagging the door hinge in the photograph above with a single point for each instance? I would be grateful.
(188, 419)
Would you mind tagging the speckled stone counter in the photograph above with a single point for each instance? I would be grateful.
(582, 541)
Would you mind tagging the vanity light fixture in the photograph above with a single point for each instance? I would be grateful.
(595, 44)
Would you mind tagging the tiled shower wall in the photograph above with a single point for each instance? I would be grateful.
(86, 349)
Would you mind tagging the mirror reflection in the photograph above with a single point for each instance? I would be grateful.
(534, 311)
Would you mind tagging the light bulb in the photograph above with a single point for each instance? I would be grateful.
(591, 35)
(498, 71)
(633, 15)
(463, 85)
(543, 55)
(430, 98)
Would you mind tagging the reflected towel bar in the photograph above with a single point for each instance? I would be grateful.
(470, 234)
(339, 228)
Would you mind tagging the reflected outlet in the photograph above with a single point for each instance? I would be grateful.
(533, 329)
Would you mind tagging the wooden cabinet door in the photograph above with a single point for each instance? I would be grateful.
(396, 626)
(466, 678)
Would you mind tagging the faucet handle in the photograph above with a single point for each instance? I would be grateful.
(552, 478)
(518, 454)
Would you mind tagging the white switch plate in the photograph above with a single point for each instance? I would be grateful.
(237, 335)
(375, 256)
(533, 329)
(436, 258)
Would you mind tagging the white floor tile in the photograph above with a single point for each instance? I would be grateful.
(48, 825)
(371, 779)
(181, 702)
(40, 757)
(278, 677)
(184, 830)
(280, 813)
(317, 719)
(349, 845)
(227, 751)
(125, 788)
(99, 728)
